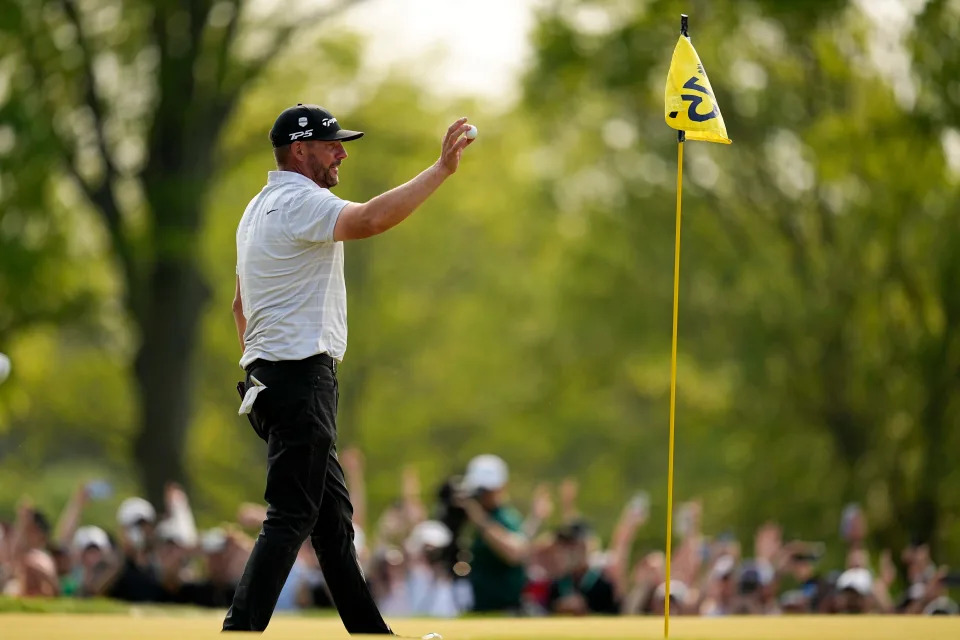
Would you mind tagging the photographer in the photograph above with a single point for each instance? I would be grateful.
(499, 548)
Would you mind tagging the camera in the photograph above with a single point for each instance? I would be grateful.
(453, 516)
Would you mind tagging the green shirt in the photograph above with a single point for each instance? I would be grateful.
(496, 585)
(70, 585)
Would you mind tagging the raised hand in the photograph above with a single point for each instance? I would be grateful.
(453, 144)
(542, 506)
(888, 570)
(569, 489)
(352, 461)
(768, 541)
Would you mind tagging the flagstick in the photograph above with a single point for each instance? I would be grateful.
(673, 384)
(681, 136)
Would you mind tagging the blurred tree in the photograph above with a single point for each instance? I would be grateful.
(130, 99)
(819, 336)
(525, 310)
(934, 294)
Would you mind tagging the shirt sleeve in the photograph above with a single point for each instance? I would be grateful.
(510, 518)
(316, 216)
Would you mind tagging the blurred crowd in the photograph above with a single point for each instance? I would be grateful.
(466, 549)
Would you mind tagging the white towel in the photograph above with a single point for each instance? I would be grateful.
(251, 396)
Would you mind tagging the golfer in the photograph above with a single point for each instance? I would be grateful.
(290, 308)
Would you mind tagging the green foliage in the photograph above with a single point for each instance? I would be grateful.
(525, 309)
(818, 285)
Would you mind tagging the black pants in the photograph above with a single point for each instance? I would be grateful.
(306, 496)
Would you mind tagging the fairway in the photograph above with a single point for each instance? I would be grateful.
(151, 627)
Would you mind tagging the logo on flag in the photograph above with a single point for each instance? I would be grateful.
(689, 101)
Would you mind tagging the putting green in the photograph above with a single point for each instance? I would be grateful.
(149, 626)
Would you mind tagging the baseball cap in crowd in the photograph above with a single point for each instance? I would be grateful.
(90, 536)
(755, 574)
(723, 568)
(308, 122)
(859, 580)
(429, 534)
(171, 531)
(135, 510)
(574, 531)
(487, 472)
(678, 591)
(213, 540)
(942, 606)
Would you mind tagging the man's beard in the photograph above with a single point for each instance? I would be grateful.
(326, 177)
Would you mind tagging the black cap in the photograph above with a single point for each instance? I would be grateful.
(308, 122)
(574, 531)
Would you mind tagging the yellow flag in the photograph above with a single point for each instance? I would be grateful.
(688, 101)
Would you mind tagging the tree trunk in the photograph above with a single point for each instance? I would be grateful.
(175, 299)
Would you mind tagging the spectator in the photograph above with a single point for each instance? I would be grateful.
(680, 599)
(854, 592)
(135, 577)
(92, 551)
(294, 594)
(647, 575)
(137, 520)
(500, 548)
(32, 570)
(388, 581)
(756, 589)
(172, 553)
(942, 606)
(580, 588)
(544, 564)
(30, 531)
(418, 567)
(224, 554)
(590, 581)
(431, 589)
(35, 574)
(720, 592)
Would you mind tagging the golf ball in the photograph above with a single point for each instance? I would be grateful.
(4, 367)
(471, 133)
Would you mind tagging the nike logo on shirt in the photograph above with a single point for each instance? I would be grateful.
(271, 211)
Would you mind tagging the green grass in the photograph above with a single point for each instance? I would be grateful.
(61, 605)
(154, 624)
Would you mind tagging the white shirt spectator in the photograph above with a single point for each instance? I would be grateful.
(291, 272)
(296, 580)
(434, 596)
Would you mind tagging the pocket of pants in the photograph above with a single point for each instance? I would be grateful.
(251, 417)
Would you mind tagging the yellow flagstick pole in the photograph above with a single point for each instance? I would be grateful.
(681, 136)
(686, 73)
(673, 385)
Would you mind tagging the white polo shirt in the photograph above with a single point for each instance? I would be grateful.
(291, 272)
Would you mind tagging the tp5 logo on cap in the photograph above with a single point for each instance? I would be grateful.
(301, 134)
(308, 121)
